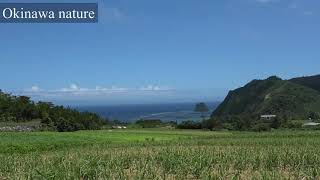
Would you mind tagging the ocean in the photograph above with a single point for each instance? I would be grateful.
(166, 112)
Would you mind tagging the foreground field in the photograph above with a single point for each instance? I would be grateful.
(156, 154)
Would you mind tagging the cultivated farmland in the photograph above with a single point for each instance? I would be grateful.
(160, 154)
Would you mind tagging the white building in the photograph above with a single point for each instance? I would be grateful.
(268, 116)
(311, 124)
(119, 127)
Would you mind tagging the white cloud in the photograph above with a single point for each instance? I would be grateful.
(33, 88)
(112, 89)
(72, 88)
(75, 94)
(155, 88)
(75, 90)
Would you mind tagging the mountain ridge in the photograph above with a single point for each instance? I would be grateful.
(295, 98)
(309, 81)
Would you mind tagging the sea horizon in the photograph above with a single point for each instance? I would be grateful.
(163, 111)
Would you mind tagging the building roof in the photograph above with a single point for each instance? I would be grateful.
(268, 116)
(311, 124)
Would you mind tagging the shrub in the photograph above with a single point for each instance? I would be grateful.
(189, 125)
(261, 127)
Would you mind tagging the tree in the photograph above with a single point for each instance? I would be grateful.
(189, 125)
(149, 123)
(261, 127)
(276, 123)
(213, 123)
(21, 109)
(314, 116)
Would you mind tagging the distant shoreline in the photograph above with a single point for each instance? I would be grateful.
(131, 112)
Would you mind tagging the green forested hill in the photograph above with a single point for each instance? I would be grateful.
(273, 96)
(309, 81)
(21, 109)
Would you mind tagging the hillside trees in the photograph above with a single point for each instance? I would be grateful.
(22, 109)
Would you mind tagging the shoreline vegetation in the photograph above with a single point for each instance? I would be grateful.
(21, 110)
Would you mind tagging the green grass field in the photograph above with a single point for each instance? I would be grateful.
(160, 154)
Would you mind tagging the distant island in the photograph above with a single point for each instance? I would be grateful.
(201, 107)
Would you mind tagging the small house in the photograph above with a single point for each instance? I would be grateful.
(268, 116)
(119, 127)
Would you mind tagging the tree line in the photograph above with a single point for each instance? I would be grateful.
(246, 122)
(59, 118)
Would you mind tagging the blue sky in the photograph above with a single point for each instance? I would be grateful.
(146, 51)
